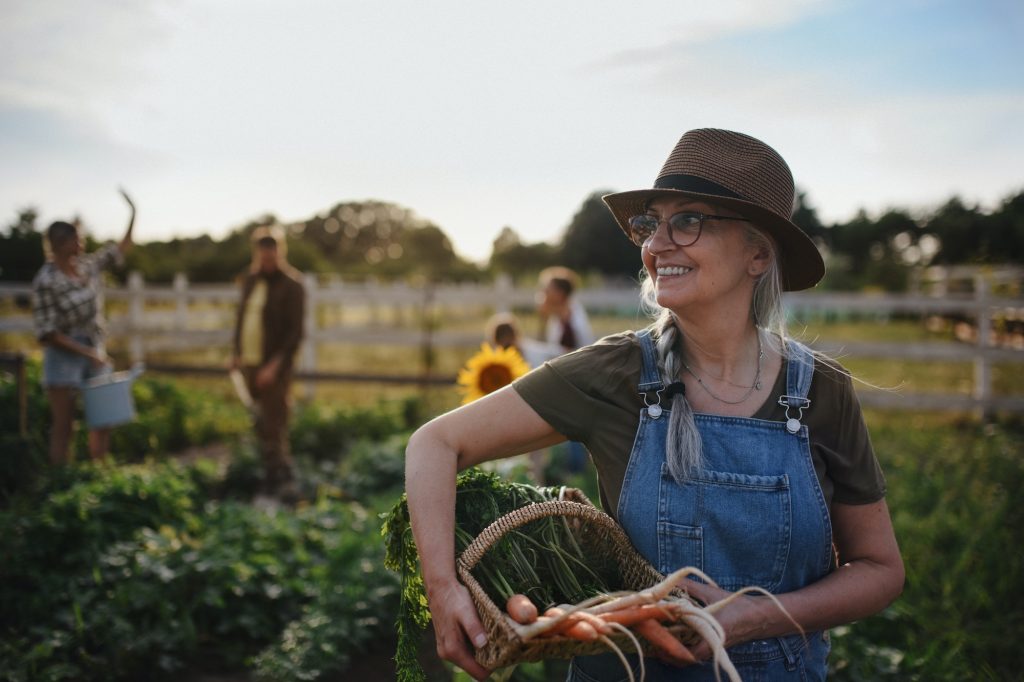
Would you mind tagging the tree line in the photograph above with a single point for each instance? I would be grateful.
(356, 240)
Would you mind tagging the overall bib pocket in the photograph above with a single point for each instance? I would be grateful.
(735, 527)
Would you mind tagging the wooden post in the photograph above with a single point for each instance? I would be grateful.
(22, 380)
(135, 312)
(427, 329)
(502, 293)
(372, 286)
(180, 301)
(307, 361)
(982, 366)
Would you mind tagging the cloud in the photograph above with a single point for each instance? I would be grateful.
(708, 23)
(58, 54)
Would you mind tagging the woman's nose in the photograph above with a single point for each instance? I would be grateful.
(661, 240)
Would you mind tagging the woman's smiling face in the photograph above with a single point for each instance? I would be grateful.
(721, 266)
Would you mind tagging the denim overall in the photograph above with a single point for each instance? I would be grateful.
(754, 515)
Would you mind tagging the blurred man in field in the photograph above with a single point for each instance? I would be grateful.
(268, 330)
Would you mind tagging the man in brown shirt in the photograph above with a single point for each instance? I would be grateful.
(268, 330)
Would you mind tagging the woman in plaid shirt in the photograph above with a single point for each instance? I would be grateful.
(69, 325)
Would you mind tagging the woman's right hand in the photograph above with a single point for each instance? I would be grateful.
(99, 358)
(456, 624)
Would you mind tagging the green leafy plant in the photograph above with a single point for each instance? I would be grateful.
(323, 433)
(128, 572)
(540, 560)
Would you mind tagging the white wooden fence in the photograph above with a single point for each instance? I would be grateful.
(184, 316)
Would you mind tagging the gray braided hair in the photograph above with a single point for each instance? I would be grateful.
(683, 449)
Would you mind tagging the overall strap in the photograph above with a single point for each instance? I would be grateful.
(650, 376)
(651, 386)
(799, 373)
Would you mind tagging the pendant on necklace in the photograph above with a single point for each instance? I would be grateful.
(757, 385)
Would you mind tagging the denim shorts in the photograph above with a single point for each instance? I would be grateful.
(63, 368)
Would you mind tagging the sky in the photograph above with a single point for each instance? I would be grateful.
(481, 115)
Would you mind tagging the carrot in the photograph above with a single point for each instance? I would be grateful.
(636, 614)
(583, 631)
(556, 622)
(597, 623)
(522, 610)
(658, 635)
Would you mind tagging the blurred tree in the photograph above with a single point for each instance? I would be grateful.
(21, 248)
(384, 240)
(966, 235)
(805, 216)
(594, 242)
(872, 253)
(1007, 229)
(510, 255)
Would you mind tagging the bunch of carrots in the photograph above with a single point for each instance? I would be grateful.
(647, 613)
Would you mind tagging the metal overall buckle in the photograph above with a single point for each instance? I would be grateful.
(788, 401)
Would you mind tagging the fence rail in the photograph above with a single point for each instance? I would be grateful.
(183, 316)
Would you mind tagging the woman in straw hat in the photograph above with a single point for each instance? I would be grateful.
(720, 442)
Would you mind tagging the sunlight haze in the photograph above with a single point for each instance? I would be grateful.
(482, 115)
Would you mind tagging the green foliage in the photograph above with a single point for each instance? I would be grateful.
(540, 559)
(147, 570)
(21, 249)
(326, 433)
(126, 573)
(594, 242)
(170, 418)
(510, 255)
(374, 468)
(24, 456)
(952, 489)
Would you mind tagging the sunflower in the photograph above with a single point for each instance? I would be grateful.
(489, 370)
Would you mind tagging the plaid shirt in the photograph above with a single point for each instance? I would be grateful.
(70, 306)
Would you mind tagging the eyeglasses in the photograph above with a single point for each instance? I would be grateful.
(683, 228)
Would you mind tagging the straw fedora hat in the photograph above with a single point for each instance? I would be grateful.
(741, 173)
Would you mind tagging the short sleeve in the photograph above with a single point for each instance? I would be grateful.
(581, 392)
(106, 257)
(44, 307)
(850, 462)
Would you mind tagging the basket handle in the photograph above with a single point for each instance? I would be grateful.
(490, 535)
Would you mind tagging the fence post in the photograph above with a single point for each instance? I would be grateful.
(429, 322)
(372, 287)
(503, 293)
(307, 361)
(136, 296)
(180, 300)
(982, 366)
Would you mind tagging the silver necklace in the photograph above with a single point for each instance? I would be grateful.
(756, 386)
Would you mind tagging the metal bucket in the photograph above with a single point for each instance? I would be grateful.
(108, 399)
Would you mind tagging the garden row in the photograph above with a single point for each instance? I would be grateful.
(153, 568)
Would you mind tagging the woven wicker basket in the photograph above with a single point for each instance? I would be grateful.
(598, 535)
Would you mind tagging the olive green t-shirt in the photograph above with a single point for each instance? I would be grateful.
(590, 396)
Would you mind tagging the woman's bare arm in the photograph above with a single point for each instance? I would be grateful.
(496, 426)
(869, 577)
(125, 244)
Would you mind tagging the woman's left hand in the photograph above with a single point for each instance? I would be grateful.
(741, 618)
